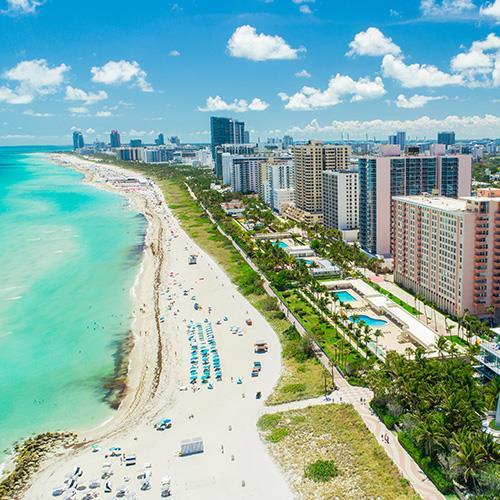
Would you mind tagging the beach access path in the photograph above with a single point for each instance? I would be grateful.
(235, 462)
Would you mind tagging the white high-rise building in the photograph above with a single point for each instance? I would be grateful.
(245, 172)
(341, 202)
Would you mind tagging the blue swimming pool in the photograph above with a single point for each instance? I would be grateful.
(280, 244)
(344, 296)
(368, 320)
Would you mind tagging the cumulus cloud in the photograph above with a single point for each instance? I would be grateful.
(174, 53)
(417, 75)
(33, 78)
(478, 64)
(88, 98)
(305, 9)
(339, 87)
(303, 74)
(238, 105)
(491, 9)
(103, 114)
(372, 42)
(435, 8)
(30, 112)
(20, 7)
(245, 42)
(90, 131)
(415, 101)
(118, 72)
(465, 126)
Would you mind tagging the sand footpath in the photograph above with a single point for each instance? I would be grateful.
(235, 463)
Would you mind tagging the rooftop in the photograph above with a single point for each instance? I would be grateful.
(439, 202)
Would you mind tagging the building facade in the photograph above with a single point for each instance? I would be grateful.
(383, 177)
(448, 251)
(114, 139)
(341, 201)
(78, 142)
(446, 138)
(225, 131)
(245, 173)
(310, 160)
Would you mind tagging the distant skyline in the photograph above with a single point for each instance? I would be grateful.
(306, 68)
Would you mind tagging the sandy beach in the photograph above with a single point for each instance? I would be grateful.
(235, 463)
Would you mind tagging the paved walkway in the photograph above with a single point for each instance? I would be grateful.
(347, 393)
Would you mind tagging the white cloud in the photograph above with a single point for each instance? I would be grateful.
(305, 9)
(10, 96)
(491, 9)
(88, 98)
(299, 2)
(417, 75)
(118, 72)
(436, 8)
(303, 74)
(79, 110)
(372, 42)
(174, 53)
(30, 112)
(103, 114)
(339, 86)
(245, 42)
(464, 126)
(238, 105)
(477, 65)
(90, 131)
(20, 7)
(415, 101)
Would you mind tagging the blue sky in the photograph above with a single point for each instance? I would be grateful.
(310, 68)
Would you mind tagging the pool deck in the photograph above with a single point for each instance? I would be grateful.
(402, 330)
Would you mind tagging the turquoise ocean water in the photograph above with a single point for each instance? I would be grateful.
(69, 255)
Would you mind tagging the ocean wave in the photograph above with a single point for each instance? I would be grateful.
(17, 297)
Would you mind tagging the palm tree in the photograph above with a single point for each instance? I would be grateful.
(442, 346)
(429, 433)
(470, 456)
(378, 333)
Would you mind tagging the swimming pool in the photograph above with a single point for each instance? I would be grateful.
(307, 262)
(344, 296)
(368, 320)
(280, 244)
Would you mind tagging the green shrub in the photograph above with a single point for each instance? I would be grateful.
(277, 434)
(294, 388)
(431, 468)
(268, 421)
(321, 471)
(389, 420)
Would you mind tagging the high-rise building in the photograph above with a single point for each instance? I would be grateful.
(398, 138)
(233, 149)
(340, 202)
(448, 250)
(225, 131)
(246, 137)
(78, 142)
(446, 138)
(160, 140)
(114, 139)
(175, 140)
(382, 177)
(135, 143)
(277, 175)
(310, 160)
(245, 173)
(287, 141)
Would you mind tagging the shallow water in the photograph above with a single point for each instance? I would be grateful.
(69, 255)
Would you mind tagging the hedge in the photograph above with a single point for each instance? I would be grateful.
(431, 468)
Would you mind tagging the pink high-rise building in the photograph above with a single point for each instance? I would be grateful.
(448, 250)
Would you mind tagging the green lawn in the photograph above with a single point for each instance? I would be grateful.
(395, 299)
(335, 438)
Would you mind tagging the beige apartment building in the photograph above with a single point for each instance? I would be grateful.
(309, 161)
(448, 250)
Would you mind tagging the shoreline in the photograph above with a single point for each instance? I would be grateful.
(158, 363)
